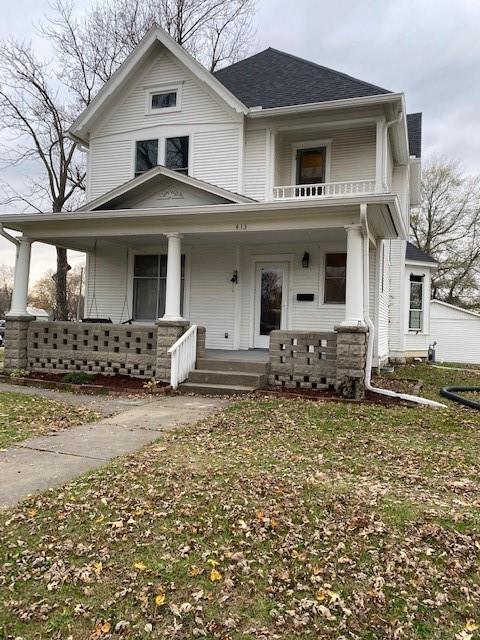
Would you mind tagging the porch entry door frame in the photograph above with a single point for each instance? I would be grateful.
(273, 313)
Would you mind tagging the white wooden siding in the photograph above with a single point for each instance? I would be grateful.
(457, 333)
(255, 163)
(107, 277)
(396, 311)
(216, 157)
(382, 294)
(110, 165)
(352, 153)
(212, 295)
(197, 104)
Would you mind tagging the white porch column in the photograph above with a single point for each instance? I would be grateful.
(174, 273)
(354, 285)
(22, 273)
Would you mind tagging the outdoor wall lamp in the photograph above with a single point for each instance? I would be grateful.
(234, 278)
(306, 260)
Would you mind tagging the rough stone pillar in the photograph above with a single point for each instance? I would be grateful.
(168, 332)
(351, 361)
(201, 336)
(16, 341)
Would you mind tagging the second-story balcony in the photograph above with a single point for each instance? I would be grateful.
(325, 190)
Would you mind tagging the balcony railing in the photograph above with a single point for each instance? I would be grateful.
(324, 190)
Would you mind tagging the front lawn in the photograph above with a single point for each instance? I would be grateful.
(23, 416)
(276, 519)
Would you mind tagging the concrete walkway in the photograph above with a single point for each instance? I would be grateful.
(49, 461)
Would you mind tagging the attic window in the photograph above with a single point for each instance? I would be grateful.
(163, 99)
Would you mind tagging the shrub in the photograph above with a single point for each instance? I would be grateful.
(19, 373)
(77, 377)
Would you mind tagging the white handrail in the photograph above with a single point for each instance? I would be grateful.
(183, 356)
(324, 189)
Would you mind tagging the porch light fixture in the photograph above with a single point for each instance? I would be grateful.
(306, 260)
(234, 278)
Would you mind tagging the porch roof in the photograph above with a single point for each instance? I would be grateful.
(78, 230)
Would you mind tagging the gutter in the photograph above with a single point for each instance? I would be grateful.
(384, 98)
(371, 328)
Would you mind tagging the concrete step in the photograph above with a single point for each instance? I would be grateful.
(203, 388)
(237, 378)
(243, 366)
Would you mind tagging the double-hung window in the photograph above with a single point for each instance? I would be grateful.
(149, 286)
(335, 278)
(174, 154)
(146, 155)
(415, 315)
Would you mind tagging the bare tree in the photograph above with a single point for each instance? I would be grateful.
(92, 47)
(40, 99)
(34, 118)
(447, 227)
(6, 288)
(43, 292)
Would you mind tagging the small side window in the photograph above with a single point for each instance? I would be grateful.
(415, 316)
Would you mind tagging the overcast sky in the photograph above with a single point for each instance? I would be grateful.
(430, 49)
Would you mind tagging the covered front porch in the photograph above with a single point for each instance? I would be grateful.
(234, 272)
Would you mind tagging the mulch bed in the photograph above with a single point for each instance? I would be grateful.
(411, 387)
(97, 384)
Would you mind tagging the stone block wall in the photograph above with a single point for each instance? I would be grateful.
(168, 332)
(303, 359)
(351, 361)
(16, 340)
(57, 347)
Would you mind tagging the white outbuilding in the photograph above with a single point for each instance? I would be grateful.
(456, 332)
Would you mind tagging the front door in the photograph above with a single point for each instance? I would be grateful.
(271, 298)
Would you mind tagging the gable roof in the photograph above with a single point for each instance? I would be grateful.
(414, 126)
(79, 130)
(414, 254)
(147, 178)
(273, 78)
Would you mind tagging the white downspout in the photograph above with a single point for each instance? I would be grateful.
(371, 328)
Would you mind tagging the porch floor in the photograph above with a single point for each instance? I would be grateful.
(246, 355)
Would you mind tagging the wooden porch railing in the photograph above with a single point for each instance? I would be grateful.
(324, 190)
(183, 356)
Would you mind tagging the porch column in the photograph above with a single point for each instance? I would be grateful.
(354, 284)
(22, 273)
(174, 273)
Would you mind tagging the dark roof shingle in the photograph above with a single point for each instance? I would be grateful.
(273, 78)
(415, 254)
(414, 125)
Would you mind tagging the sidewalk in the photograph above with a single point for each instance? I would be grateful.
(49, 461)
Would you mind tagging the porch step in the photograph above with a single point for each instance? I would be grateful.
(203, 388)
(244, 366)
(228, 377)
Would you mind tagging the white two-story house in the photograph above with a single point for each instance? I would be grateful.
(271, 196)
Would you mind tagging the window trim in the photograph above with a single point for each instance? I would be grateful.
(311, 144)
(167, 88)
(420, 329)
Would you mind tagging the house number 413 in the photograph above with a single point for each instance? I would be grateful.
(241, 227)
